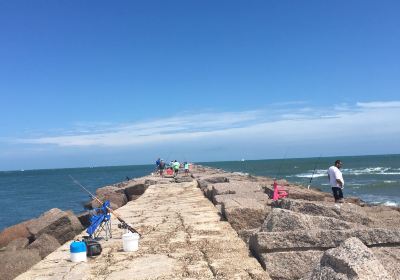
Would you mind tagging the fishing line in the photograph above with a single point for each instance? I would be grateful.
(280, 165)
(315, 167)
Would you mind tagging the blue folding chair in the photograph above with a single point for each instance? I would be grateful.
(100, 221)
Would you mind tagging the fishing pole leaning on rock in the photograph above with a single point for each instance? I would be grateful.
(106, 206)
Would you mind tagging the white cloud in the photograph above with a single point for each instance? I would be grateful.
(379, 104)
(271, 126)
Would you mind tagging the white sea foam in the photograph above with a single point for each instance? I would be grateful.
(371, 170)
(241, 173)
(389, 181)
(391, 203)
(308, 175)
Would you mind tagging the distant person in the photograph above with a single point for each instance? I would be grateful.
(176, 166)
(158, 161)
(336, 181)
(161, 167)
(186, 166)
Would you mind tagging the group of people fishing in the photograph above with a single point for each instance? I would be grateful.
(172, 168)
(334, 174)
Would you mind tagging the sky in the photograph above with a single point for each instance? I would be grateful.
(98, 83)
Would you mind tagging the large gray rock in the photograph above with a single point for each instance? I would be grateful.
(45, 244)
(265, 242)
(390, 259)
(14, 232)
(115, 195)
(290, 265)
(216, 179)
(17, 244)
(134, 191)
(84, 219)
(351, 260)
(202, 184)
(236, 187)
(293, 254)
(13, 263)
(285, 220)
(76, 224)
(61, 225)
(346, 212)
(183, 179)
(159, 180)
(245, 234)
(245, 213)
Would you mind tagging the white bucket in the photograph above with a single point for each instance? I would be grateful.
(78, 257)
(130, 241)
(78, 251)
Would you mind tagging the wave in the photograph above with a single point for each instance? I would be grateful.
(381, 199)
(310, 175)
(391, 203)
(371, 171)
(389, 181)
(349, 171)
(241, 173)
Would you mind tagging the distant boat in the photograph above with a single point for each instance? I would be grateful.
(22, 170)
(242, 159)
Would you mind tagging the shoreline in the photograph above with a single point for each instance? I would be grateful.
(241, 200)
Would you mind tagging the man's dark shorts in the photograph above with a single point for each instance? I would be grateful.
(337, 193)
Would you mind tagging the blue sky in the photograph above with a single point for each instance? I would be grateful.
(90, 83)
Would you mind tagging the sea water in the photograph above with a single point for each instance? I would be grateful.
(27, 194)
(375, 179)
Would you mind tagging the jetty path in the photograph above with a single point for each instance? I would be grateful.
(183, 237)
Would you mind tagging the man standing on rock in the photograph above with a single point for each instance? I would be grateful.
(336, 180)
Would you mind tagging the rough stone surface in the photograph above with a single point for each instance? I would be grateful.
(285, 220)
(183, 179)
(383, 216)
(13, 263)
(245, 234)
(216, 179)
(264, 242)
(202, 184)
(14, 232)
(346, 212)
(351, 260)
(45, 244)
(59, 224)
(84, 219)
(182, 238)
(115, 195)
(135, 191)
(245, 213)
(390, 259)
(236, 187)
(290, 265)
(293, 254)
(76, 224)
(17, 244)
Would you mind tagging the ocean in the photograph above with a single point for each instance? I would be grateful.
(27, 194)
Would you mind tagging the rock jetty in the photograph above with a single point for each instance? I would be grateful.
(213, 224)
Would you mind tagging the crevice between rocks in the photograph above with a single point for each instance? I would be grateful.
(210, 267)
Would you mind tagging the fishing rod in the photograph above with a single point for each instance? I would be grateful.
(312, 176)
(123, 224)
(280, 166)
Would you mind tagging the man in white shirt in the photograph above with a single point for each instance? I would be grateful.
(336, 180)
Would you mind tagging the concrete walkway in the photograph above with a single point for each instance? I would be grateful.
(182, 238)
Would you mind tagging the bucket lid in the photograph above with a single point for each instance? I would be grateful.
(130, 235)
(77, 247)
